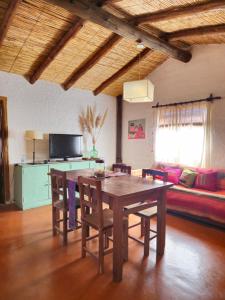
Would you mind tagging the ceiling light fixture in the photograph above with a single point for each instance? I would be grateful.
(138, 91)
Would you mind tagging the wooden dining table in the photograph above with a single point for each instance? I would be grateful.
(125, 190)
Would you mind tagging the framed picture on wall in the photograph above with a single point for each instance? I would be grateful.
(136, 129)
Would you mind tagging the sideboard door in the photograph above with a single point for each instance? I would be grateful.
(35, 186)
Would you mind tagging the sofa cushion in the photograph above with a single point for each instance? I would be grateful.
(219, 194)
(188, 177)
(221, 179)
(196, 202)
(162, 166)
(204, 170)
(173, 174)
(206, 180)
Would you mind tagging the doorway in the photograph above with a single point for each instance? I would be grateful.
(4, 160)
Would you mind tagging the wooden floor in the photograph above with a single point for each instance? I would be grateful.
(34, 265)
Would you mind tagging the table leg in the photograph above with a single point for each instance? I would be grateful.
(117, 240)
(161, 223)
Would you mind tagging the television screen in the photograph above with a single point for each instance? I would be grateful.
(65, 145)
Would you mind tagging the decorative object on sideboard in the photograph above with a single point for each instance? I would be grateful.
(33, 135)
(91, 124)
(83, 129)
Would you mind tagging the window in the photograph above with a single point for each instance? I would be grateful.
(182, 134)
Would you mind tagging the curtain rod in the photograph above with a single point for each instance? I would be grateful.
(210, 99)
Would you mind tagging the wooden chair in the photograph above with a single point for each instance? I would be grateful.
(148, 213)
(121, 168)
(117, 166)
(60, 205)
(93, 215)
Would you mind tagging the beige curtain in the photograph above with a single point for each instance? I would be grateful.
(183, 134)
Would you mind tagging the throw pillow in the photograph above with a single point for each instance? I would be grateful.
(173, 174)
(206, 181)
(188, 177)
(221, 179)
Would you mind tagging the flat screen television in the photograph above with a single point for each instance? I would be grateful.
(65, 145)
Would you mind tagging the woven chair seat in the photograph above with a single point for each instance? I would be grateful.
(92, 219)
(148, 212)
(133, 205)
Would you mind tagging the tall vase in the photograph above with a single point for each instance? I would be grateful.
(86, 154)
(94, 152)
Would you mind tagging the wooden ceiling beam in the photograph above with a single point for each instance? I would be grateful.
(177, 11)
(90, 11)
(122, 71)
(90, 62)
(74, 29)
(8, 17)
(106, 2)
(118, 11)
(197, 31)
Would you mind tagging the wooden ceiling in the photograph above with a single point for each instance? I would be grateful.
(93, 44)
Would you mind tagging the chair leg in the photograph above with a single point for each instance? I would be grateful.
(65, 232)
(125, 240)
(101, 252)
(106, 239)
(76, 217)
(142, 227)
(54, 222)
(146, 236)
(87, 227)
(83, 239)
(110, 231)
(87, 231)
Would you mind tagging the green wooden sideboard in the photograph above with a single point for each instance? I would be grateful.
(33, 185)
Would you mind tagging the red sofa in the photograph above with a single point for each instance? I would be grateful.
(202, 204)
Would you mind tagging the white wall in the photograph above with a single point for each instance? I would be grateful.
(175, 81)
(47, 107)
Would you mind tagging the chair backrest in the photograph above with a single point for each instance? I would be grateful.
(126, 169)
(58, 186)
(121, 168)
(90, 190)
(151, 172)
(117, 167)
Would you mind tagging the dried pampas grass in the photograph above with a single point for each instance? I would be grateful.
(92, 123)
